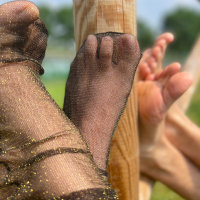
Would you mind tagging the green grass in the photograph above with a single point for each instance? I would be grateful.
(56, 88)
(161, 192)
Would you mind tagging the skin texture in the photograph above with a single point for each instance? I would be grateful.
(158, 90)
(183, 133)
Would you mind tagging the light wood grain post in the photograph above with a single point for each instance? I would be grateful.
(99, 16)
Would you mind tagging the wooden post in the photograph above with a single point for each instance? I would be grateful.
(99, 16)
(192, 66)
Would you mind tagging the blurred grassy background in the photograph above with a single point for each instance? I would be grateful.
(183, 22)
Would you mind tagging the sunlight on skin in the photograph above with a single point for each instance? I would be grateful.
(157, 92)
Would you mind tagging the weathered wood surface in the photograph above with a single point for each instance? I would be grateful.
(192, 66)
(124, 164)
(98, 16)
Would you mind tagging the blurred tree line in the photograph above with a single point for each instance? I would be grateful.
(183, 23)
(59, 23)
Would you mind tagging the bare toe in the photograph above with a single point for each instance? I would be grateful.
(151, 63)
(157, 53)
(166, 74)
(176, 86)
(145, 56)
(168, 37)
(144, 71)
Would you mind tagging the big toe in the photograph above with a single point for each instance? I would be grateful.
(18, 13)
(176, 87)
(130, 50)
(129, 54)
(23, 34)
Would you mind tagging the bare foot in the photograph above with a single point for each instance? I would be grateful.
(97, 89)
(178, 128)
(156, 97)
(149, 88)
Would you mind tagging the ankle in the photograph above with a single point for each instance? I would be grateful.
(155, 160)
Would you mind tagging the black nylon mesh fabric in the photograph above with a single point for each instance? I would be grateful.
(98, 88)
(28, 36)
(42, 154)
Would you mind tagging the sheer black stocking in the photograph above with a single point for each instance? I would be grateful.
(98, 87)
(43, 156)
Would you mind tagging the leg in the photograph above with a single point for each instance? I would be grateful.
(155, 97)
(183, 134)
(43, 156)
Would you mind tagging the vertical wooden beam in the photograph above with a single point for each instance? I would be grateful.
(98, 16)
(124, 165)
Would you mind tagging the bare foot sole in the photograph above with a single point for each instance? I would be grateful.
(156, 97)
(158, 157)
(98, 87)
